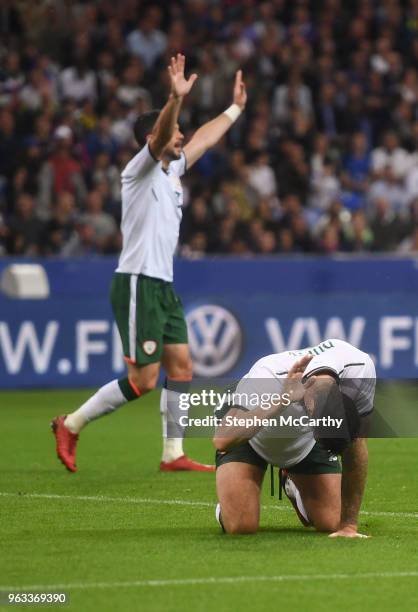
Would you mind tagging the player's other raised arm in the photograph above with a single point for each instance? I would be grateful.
(210, 133)
(167, 121)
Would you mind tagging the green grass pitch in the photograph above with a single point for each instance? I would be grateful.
(119, 535)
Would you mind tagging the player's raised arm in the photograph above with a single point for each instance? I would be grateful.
(168, 118)
(210, 133)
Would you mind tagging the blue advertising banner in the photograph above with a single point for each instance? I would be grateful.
(237, 311)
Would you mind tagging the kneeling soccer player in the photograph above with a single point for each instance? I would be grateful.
(332, 387)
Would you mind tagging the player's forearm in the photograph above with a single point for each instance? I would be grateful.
(355, 463)
(211, 132)
(166, 125)
(239, 426)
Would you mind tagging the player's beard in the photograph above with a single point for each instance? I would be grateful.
(174, 153)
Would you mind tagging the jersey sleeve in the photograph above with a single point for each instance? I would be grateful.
(362, 392)
(179, 166)
(359, 383)
(140, 165)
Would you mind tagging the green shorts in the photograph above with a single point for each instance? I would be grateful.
(318, 461)
(148, 314)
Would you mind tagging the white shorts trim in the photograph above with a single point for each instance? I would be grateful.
(132, 317)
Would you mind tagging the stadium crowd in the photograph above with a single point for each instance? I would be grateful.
(324, 160)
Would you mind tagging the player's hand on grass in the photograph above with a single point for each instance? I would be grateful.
(347, 532)
(180, 86)
(293, 384)
(240, 93)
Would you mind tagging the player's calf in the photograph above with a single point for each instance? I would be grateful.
(143, 379)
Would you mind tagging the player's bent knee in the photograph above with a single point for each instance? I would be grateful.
(148, 386)
(327, 524)
(180, 373)
(144, 384)
(241, 526)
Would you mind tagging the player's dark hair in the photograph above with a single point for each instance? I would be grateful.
(334, 404)
(144, 124)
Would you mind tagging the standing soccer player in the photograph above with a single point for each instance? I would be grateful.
(148, 313)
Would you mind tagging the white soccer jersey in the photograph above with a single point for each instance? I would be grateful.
(152, 201)
(357, 375)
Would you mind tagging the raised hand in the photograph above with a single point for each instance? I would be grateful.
(180, 86)
(240, 93)
(293, 384)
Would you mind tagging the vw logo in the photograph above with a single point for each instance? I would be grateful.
(215, 340)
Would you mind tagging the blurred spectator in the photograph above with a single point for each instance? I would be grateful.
(356, 165)
(61, 172)
(9, 144)
(390, 155)
(385, 226)
(59, 230)
(292, 95)
(267, 243)
(106, 173)
(292, 171)
(4, 233)
(129, 90)
(196, 247)
(103, 225)
(38, 93)
(410, 244)
(330, 240)
(325, 186)
(286, 241)
(261, 176)
(358, 235)
(81, 243)
(210, 91)
(101, 140)
(147, 41)
(411, 180)
(25, 229)
(388, 187)
(197, 220)
(302, 239)
(78, 82)
(12, 79)
(327, 112)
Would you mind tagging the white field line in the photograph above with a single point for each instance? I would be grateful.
(209, 580)
(178, 502)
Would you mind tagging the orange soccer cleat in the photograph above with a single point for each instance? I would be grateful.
(185, 464)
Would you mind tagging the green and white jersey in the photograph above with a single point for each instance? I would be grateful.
(152, 200)
(357, 379)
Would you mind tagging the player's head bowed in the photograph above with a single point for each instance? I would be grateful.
(332, 406)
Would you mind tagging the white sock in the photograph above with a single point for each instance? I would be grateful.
(170, 414)
(107, 399)
(294, 491)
